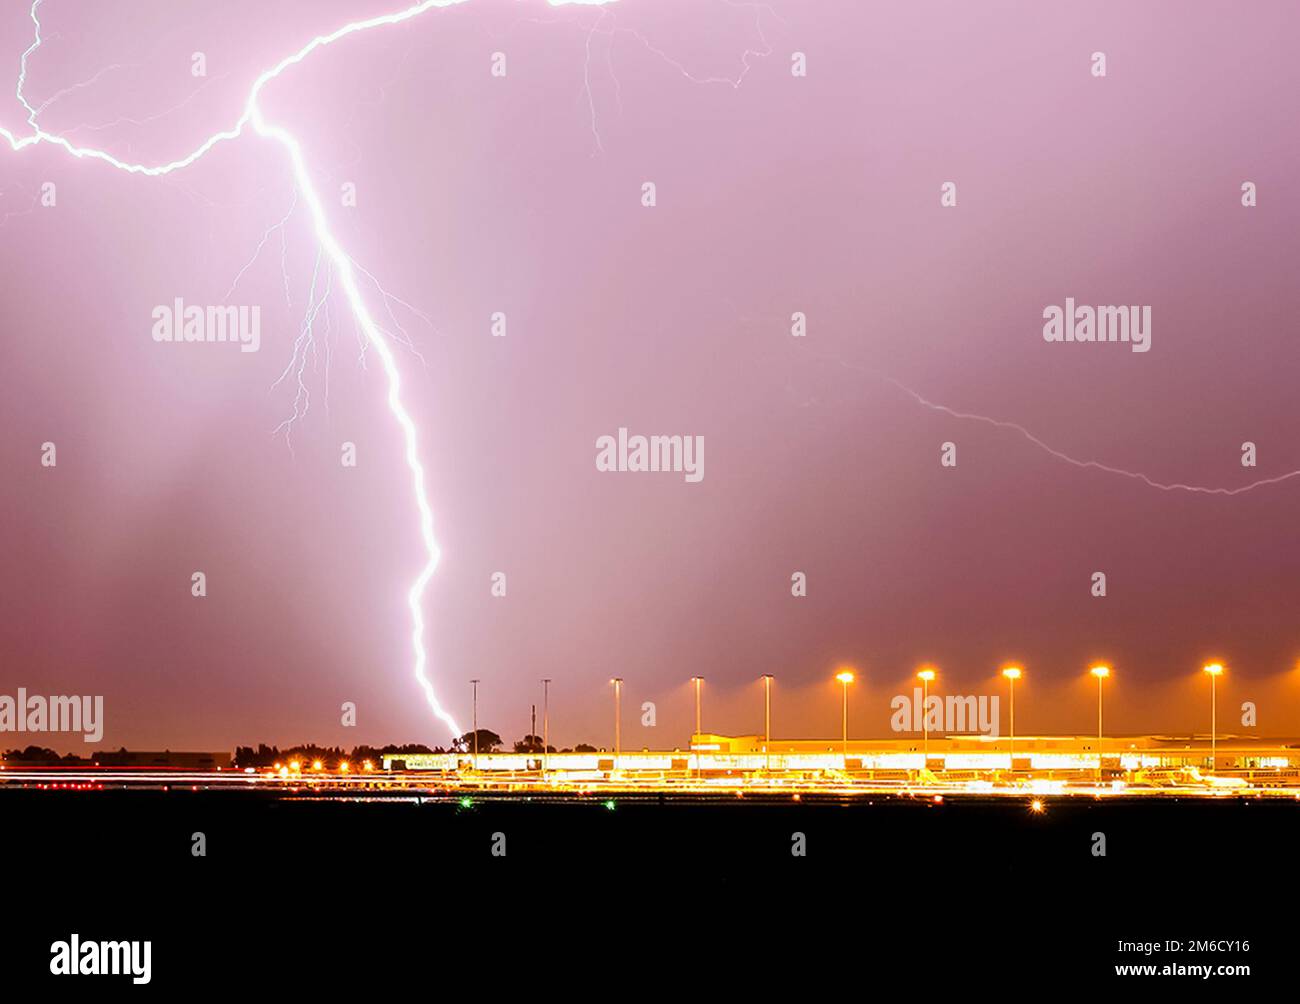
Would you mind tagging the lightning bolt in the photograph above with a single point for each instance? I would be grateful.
(1087, 465)
(342, 265)
(1094, 465)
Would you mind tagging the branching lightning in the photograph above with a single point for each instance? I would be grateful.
(1095, 465)
(1092, 465)
(332, 260)
(340, 265)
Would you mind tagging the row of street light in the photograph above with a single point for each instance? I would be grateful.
(927, 675)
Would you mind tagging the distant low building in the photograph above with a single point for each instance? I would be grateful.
(176, 759)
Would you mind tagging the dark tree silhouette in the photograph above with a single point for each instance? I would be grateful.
(488, 742)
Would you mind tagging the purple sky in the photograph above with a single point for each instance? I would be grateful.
(521, 194)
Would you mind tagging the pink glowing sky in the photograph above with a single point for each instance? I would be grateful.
(778, 194)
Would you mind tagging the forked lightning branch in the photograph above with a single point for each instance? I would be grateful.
(252, 117)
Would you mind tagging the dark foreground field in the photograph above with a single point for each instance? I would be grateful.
(292, 893)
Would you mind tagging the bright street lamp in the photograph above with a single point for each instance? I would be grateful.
(1100, 672)
(1012, 673)
(845, 677)
(1215, 670)
(926, 675)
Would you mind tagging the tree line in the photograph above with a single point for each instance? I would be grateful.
(332, 757)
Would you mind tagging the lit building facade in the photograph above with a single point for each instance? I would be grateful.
(1121, 757)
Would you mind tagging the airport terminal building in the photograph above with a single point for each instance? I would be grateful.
(972, 755)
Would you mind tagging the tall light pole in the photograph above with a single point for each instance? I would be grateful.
(767, 719)
(475, 684)
(1215, 670)
(698, 681)
(845, 677)
(1100, 672)
(926, 675)
(1012, 673)
(618, 718)
(546, 726)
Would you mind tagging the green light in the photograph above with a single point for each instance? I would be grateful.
(609, 804)
(467, 802)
